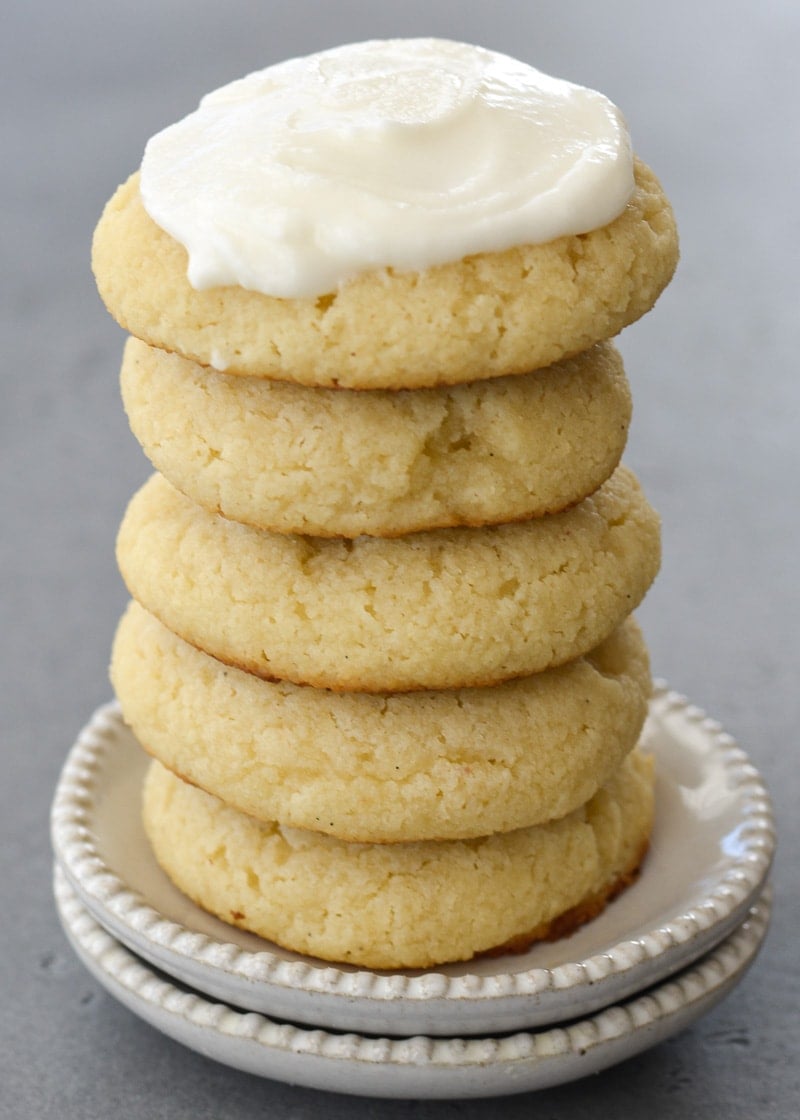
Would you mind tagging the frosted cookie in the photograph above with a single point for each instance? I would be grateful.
(401, 905)
(442, 609)
(480, 317)
(339, 463)
(374, 767)
(392, 214)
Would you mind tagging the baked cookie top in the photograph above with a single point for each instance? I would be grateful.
(401, 905)
(480, 317)
(442, 609)
(384, 767)
(339, 463)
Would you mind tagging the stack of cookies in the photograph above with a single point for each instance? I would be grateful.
(381, 646)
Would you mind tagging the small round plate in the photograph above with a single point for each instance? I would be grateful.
(410, 1067)
(710, 853)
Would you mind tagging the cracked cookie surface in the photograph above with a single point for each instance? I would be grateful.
(446, 608)
(401, 905)
(333, 462)
(384, 767)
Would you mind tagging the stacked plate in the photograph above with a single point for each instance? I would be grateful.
(665, 952)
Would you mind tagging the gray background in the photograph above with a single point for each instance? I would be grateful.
(709, 91)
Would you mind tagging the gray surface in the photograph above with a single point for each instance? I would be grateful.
(709, 90)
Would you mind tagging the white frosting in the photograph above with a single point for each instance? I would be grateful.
(403, 153)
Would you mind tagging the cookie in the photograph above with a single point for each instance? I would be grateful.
(384, 768)
(481, 317)
(443, 609)
(338, 463)
(400, 905)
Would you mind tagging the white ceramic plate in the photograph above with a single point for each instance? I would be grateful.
(710, 854)
(410, 1067)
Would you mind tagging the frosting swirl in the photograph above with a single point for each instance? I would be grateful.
(401, 154)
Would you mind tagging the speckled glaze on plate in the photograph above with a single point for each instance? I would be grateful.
(411, 1067)
(710, 854)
